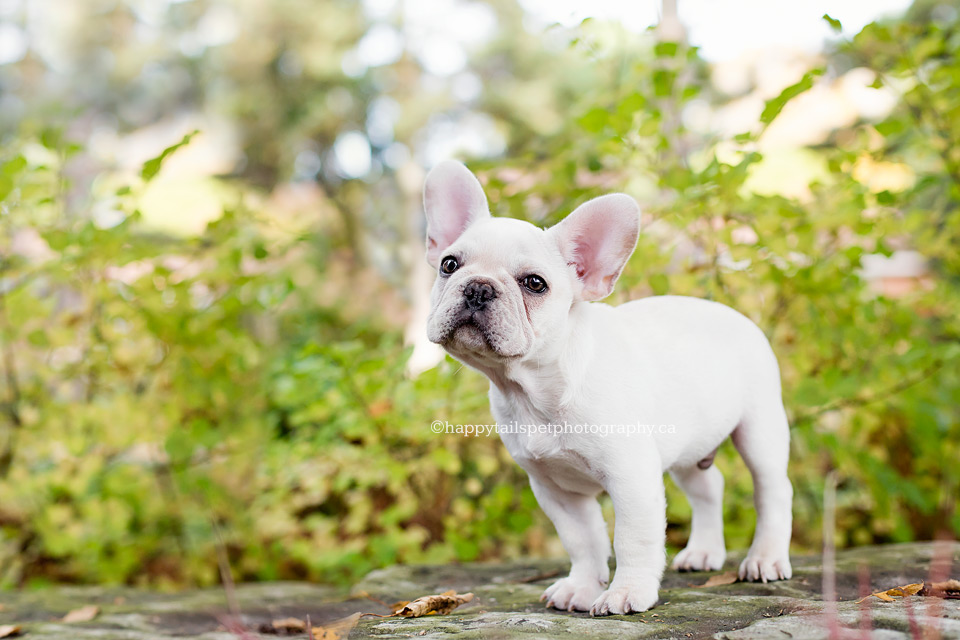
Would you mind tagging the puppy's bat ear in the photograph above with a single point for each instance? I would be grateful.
(453, 200)
(597, 239)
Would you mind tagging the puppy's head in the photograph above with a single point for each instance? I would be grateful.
(504, 287)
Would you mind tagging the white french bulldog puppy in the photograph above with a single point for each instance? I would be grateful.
(516, 302)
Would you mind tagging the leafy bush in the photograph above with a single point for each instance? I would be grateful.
(868, 378)
(171, 397)
(164, 399)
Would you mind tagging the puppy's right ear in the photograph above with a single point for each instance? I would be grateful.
(597, 239)
(453, 200)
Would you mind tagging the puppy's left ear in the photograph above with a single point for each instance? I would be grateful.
(597, 239)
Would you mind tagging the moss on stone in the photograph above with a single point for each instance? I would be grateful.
(507, 604)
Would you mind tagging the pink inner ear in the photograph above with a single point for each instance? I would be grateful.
(593, 254)
(579, 268)
(597, 239)
(453, 200)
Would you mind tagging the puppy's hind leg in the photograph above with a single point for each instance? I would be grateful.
(763, 440)
(705, 550)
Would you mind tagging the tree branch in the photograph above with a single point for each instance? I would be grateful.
(869, 398)
(12, 406)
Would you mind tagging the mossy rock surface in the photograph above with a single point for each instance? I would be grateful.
(507, 604)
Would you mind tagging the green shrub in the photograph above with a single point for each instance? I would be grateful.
(166, 398)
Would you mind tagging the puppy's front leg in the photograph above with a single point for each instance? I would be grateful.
(639, 535)
(579, 523)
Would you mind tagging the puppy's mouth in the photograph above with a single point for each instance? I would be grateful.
(471, 336)
(470, 332)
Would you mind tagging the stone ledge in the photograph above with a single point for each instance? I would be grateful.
(507, 604)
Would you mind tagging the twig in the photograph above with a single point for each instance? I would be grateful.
(829, 555)
(940, 567)
(540, 576)
(866, 623)
(869, 398)
(347, 215)
(235, 626)
(914, 627)
(225, 576)
(12, 406)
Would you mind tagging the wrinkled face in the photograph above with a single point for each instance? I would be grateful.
(505, 288)
(501, 287)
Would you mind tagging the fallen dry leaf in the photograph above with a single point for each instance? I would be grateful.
(900, 592)
(288, 625)
(728, 577)
(397, 606)
(336, 630)
(83, 614)
(437, 604)
(949, 590)
(10, 630)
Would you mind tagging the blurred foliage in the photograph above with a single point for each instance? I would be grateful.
(165, 397)
(162, 397)
(870, 381)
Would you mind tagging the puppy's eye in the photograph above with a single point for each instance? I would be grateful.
(534, 283)
(448, 265)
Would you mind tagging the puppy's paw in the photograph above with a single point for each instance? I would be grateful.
(759, 567)
(571, 594)
(619, 600)
(700, 559)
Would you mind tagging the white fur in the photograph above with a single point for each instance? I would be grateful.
(696, 371)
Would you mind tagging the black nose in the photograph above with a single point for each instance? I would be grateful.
(478, 294)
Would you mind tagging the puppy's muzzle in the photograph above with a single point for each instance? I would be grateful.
(478, 293)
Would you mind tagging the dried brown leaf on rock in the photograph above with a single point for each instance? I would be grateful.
(288, 625)
(728, 577)
(397, 606)
(949, 590)
(10, 630)
(437, 604)
(83, 614)
(336, 630)
(898, 592)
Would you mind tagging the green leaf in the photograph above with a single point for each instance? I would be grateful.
(776, 105)
(659, 283)
(595, 120)
(152, 167)
(889, 126)
(665, 49)
(15, 166)
(663, 82)
(885, 198)
(51, 138)
(834, 23)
